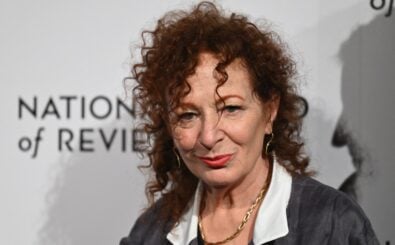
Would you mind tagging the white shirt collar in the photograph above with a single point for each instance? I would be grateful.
(271, 222)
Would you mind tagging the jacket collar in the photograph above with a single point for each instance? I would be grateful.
(271, 222)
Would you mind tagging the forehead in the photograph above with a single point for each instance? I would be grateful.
(206, 78)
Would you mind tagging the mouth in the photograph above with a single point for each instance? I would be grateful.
(219, 161)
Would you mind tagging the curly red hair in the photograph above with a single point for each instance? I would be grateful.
(170, 54)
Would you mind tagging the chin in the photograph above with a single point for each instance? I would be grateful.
(216, 184)
(218, 179)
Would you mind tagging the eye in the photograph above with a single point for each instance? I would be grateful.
(187, 116)
(231, 108)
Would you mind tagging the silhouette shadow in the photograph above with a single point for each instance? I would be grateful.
(366, 122)
(368, 59)
(96, 196)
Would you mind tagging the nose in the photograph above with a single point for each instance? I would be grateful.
(340, 136)
(211, 132)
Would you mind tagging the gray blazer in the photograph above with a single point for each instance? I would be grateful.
(317, 215)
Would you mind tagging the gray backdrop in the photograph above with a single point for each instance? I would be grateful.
(82, 49)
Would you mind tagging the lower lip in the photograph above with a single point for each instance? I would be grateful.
(217, 162)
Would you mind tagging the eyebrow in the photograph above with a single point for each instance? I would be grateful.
(185, 105)
(223, 98)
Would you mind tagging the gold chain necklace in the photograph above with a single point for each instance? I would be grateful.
(245, 219)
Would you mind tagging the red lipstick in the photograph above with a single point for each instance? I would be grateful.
(217, 161)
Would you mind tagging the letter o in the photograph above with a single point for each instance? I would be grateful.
(108, 109)
(373, 5)
(24, 146)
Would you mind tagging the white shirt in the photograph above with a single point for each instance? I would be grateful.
(271, 222)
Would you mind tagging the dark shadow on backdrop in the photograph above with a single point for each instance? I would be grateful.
(95, 197)
(366, 124)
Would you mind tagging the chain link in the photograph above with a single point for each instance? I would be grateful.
(244, 221)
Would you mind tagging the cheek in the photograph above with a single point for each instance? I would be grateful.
(245, 136)
(249, 130)
(185, 138)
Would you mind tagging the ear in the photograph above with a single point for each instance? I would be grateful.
(272, 108)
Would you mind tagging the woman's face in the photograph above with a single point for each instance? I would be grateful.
(220, 139)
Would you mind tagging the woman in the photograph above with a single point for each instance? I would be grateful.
(227, 157)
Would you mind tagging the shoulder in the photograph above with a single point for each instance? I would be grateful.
(309, 193)
(315, 207)
(148, 228)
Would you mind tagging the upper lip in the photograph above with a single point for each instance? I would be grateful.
(214, 157)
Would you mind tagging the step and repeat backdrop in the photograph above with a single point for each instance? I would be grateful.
(71, 141)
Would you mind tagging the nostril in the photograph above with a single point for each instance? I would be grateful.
(340, 136)
(210, 138)
(207, 146)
